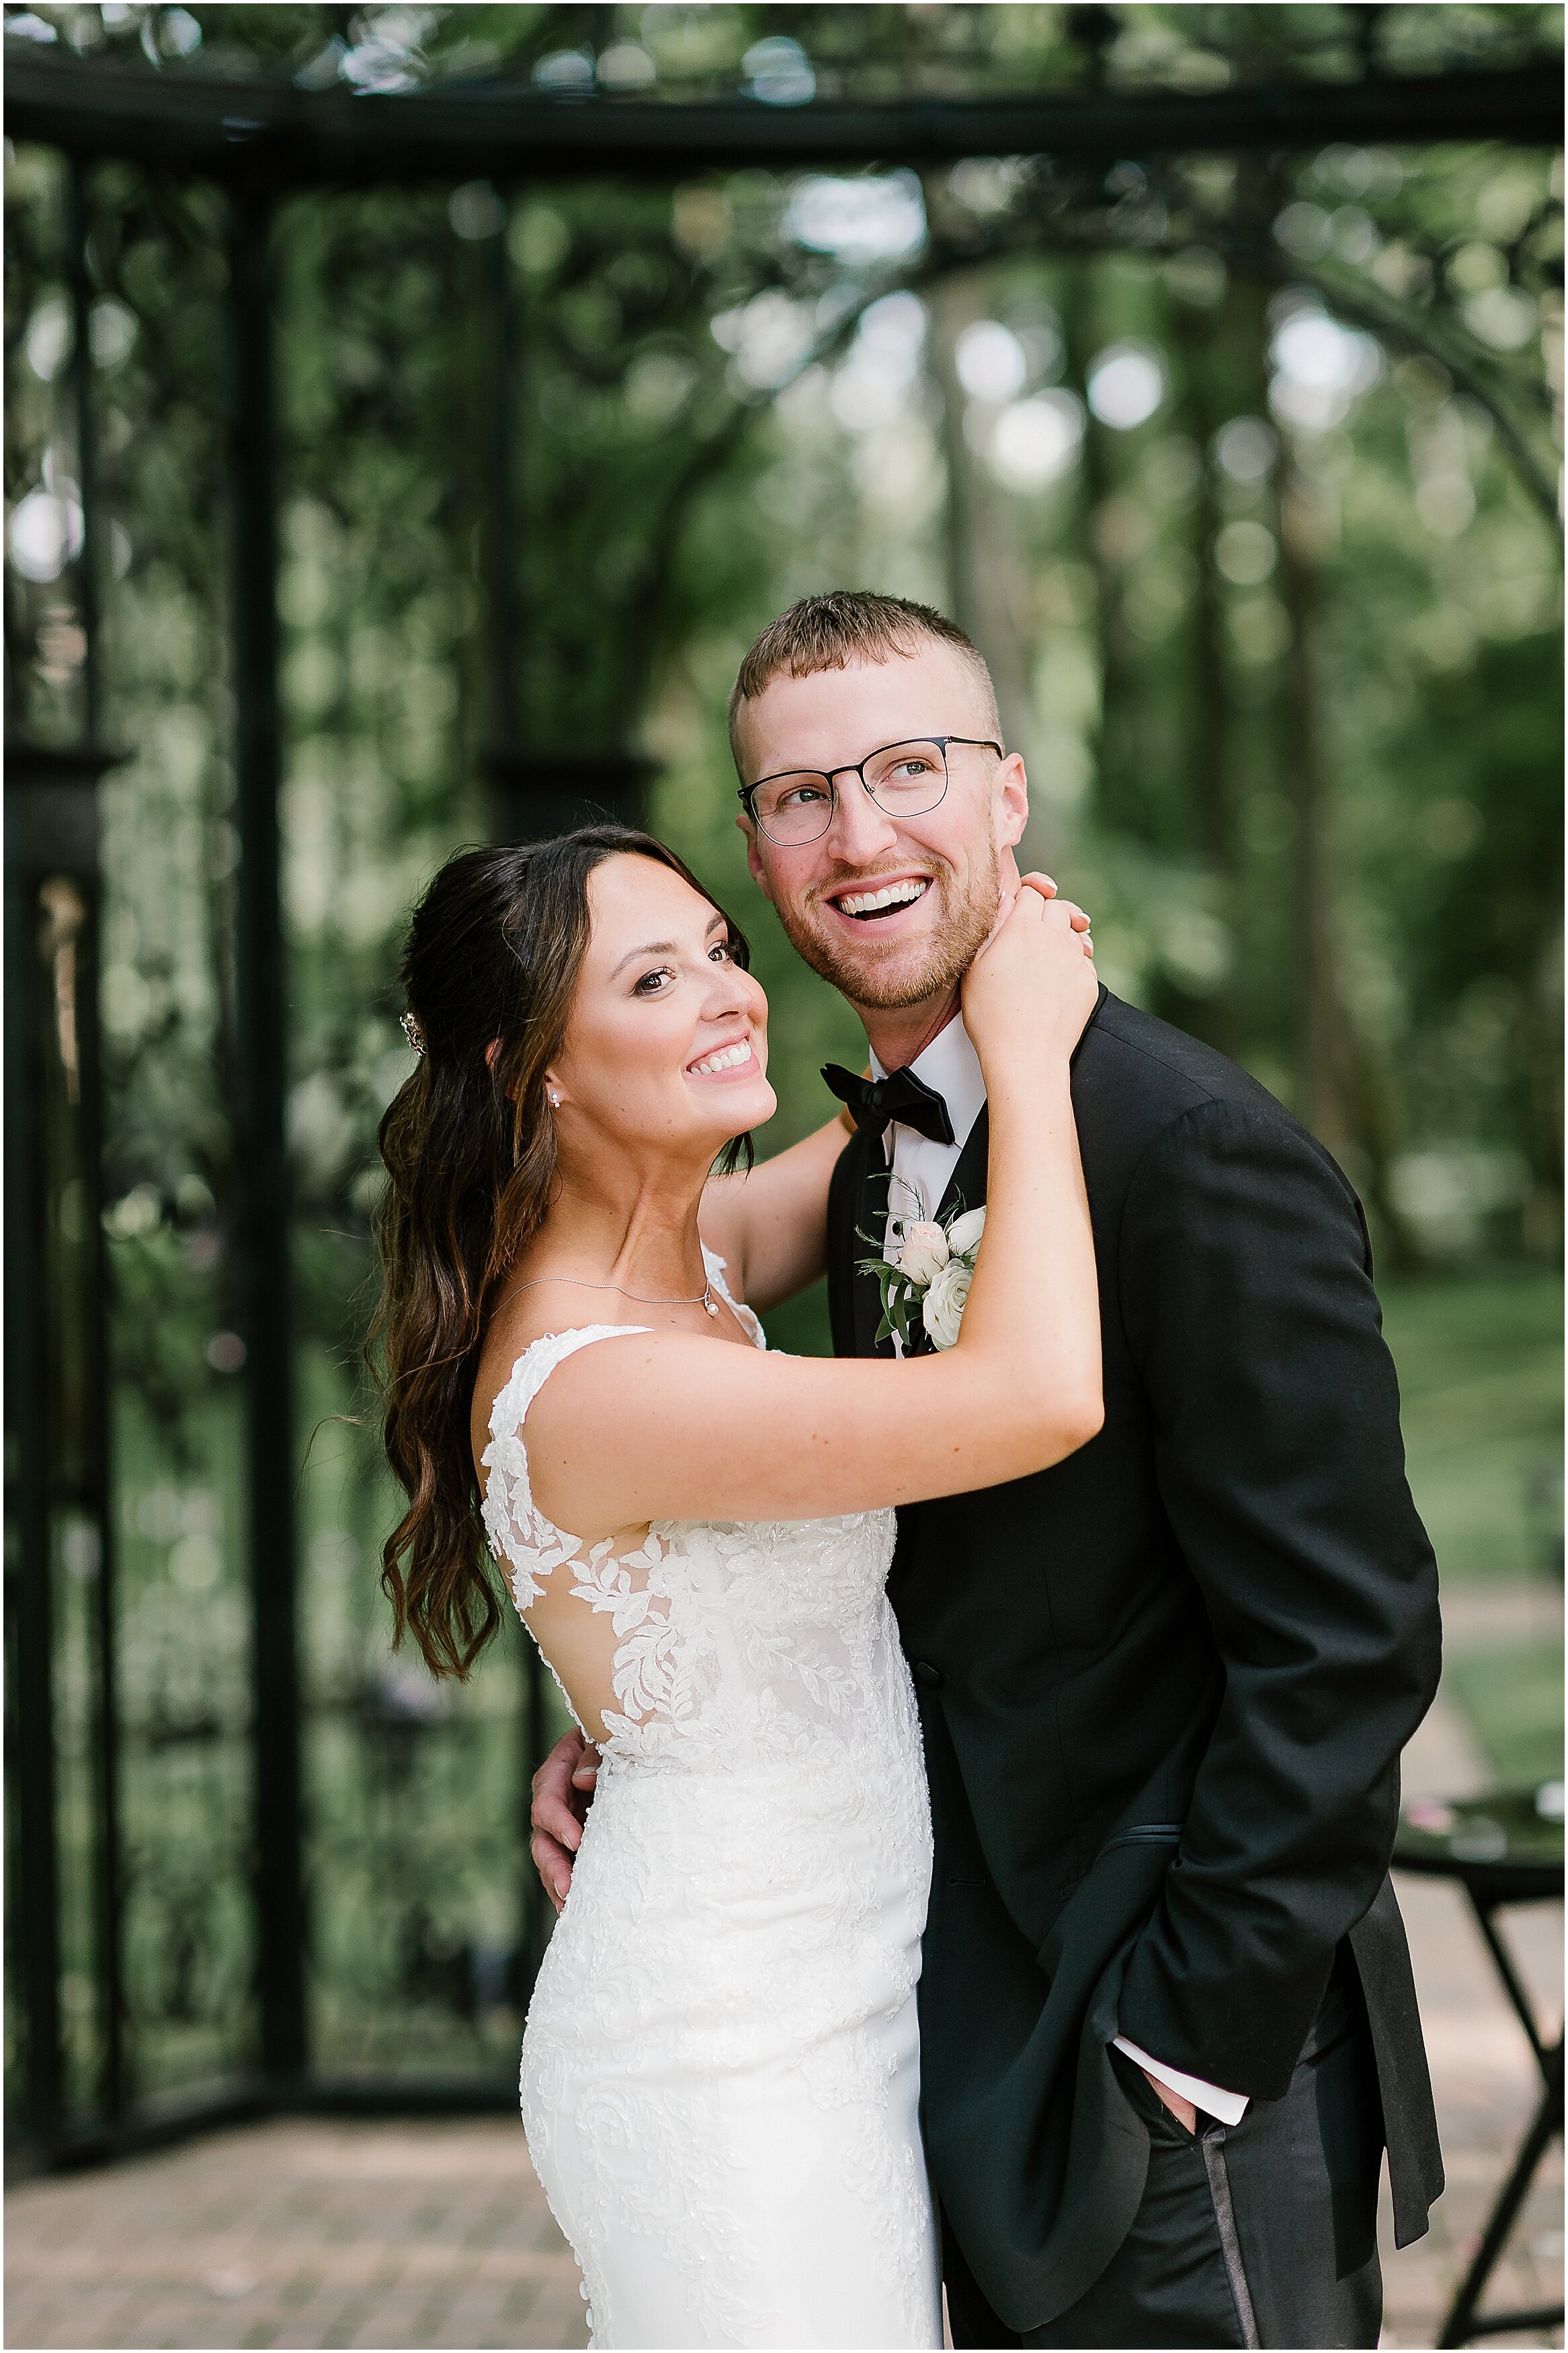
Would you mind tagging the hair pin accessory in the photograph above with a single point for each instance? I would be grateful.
(411, 1031)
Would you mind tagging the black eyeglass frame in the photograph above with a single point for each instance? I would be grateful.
(858, 768)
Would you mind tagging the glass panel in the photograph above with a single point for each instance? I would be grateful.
(169, 854)
(415, 1790)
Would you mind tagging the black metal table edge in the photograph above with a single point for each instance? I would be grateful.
(1526, 1884)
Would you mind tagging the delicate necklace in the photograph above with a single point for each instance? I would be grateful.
(704, 1297)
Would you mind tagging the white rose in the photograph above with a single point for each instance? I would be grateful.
(944, 1302)
(963, 1234)
(923, 1251)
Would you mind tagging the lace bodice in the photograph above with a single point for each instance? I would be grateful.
(729, 1636)
(748, 1638)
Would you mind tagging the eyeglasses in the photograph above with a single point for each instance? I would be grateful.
(903, 779)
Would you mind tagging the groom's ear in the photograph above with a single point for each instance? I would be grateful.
(1012, 802)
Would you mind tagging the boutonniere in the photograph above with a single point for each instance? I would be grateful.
(927, 1271)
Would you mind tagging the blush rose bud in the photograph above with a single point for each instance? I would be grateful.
(924, 1252)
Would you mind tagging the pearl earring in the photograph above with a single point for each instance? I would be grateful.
(555, 1103)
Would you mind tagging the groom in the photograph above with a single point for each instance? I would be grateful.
(1168, 2023)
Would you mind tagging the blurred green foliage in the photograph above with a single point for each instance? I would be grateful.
(1513, 1698)
(1242, 474)
(1479, 1358)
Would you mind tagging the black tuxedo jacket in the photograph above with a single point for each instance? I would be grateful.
(1164, 1686)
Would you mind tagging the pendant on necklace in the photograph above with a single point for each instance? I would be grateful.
(709, 1301)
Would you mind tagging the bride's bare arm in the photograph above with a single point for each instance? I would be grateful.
(771, 1227)
(669, 1426)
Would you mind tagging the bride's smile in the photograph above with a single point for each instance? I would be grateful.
(726, 1063)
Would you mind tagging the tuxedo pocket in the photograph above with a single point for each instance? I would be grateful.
(1139, 1834)
(1144, 1834)
(1115, 1897)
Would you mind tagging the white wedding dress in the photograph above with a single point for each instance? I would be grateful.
(721, 2073)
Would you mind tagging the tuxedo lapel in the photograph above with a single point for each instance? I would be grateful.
(856, 1203)
(871, 1212)
(966, 1186)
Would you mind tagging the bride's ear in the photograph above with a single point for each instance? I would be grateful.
(552, 1091)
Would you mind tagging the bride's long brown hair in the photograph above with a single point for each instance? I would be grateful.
(492, 961)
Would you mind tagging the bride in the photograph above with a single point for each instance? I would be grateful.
(720, 2074)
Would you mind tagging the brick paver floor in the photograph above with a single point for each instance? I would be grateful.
(297, 2232)
(319, 2234)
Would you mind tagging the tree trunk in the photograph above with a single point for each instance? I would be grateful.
(1320, 1023)
(990, 590)
(1211, 736)
(1345, 1097)
(1118, 802)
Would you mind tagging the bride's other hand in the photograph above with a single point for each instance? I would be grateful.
(1035, 881)
(563, 1793)
(1032, 985)
(1080, 923)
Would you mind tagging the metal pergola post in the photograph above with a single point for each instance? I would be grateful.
(29, 1712)
(459, 130)
(58, 1398)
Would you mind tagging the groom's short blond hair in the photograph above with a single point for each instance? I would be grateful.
(850, 625)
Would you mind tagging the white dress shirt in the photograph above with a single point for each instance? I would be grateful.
(921, 1172)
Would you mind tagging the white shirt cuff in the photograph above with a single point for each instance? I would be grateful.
(1229, 2108)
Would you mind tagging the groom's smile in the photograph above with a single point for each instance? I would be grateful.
(875, 901)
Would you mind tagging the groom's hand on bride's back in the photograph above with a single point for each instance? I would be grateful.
(563, 1793)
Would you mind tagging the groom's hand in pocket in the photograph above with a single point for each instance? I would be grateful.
(563, 1793)
(1186, 2115)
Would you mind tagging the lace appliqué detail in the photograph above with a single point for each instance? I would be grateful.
(519, 1532)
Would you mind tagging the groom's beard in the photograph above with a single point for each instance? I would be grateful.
(918, 970)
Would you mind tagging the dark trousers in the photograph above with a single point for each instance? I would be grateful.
(1264, 2232)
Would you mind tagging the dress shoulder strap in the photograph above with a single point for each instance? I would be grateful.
(539, 1360)
(519, 1534)
(716, 1268)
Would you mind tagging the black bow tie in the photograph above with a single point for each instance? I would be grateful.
(900, 1095)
